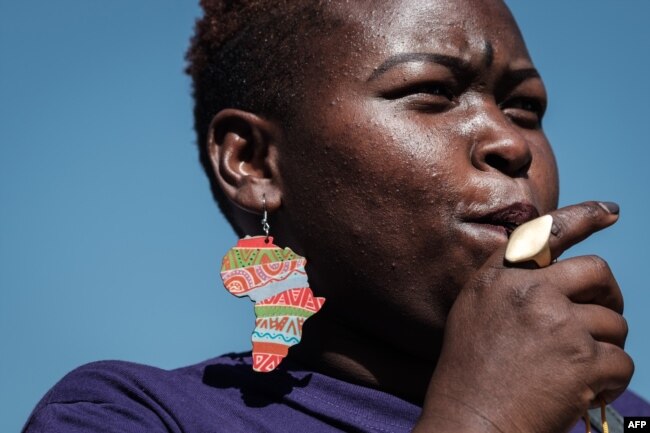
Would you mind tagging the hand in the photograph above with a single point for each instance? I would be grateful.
(530, 350)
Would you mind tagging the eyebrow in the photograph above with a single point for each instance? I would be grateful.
(456, 64)
(516, 76)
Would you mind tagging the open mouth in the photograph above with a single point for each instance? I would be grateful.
(507, 219)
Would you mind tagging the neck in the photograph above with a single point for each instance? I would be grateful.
(347, 353)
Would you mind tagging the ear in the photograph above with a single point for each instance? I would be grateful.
(243, 152)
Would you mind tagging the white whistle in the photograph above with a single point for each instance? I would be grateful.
(529, 242)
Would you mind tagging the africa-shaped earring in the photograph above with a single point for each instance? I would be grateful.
(275, 279)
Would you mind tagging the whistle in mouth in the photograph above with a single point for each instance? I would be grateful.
(529, 242)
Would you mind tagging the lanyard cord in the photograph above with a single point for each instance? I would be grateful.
(603, 418)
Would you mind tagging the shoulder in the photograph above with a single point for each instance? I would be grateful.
(106, 396)
(103, 381)
(118, 396)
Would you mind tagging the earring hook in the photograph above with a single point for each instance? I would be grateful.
(265, 220)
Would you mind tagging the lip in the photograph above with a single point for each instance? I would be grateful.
(505, 219)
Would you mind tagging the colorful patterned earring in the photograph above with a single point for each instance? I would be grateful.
(275, 279)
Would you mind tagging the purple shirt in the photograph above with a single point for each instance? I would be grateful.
(224, 395)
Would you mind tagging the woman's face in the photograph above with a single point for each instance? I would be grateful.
(418, 147)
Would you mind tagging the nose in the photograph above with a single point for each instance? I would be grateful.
(501, 146)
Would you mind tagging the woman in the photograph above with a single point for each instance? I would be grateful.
(395, 145)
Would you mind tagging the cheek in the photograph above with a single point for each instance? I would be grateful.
(374, 191)
(376, 163)
(544, 177)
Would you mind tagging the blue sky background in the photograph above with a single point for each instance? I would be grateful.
(109, 243)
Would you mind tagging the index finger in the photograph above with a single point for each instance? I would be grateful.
(572, 224)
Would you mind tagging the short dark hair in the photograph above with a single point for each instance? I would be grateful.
(244, 54)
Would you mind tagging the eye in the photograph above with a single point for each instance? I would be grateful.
(435, 89)
(429, 96)
(524, 111)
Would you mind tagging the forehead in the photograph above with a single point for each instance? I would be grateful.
(460, 28)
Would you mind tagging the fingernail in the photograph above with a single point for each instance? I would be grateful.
(555, 229)
(610, 207)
